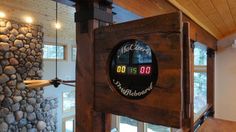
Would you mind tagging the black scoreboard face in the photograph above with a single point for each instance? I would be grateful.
(133, 69)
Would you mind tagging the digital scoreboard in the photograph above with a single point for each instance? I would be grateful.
(133, 69)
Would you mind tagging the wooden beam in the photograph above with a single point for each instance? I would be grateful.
(87, 119)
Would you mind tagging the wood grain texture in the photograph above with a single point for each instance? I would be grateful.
(188, 80)
(163, 105)
(217, 125)
(199, 34)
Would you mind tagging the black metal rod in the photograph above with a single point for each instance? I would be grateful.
(56, 36)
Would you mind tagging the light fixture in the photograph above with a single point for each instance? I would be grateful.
(58, 25)
(29, 19)
(56, 81)
(2, 14)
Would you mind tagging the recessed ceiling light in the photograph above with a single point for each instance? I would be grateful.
(2, 14)
(57, 25)
(28, 19)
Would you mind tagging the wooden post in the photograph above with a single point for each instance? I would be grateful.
(89, 15)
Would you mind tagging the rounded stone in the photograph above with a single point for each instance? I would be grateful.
(4, 38)
(9, 70)
(15, 107)
(18, 43)
(31, 101)
(8, 25)
(9, 55)
(32, 45)
(3, 78)
(11, 83)
(21, 36)
(22, 122)
(28, 64)
(31, 116)
(10, 118)
(41, 125)
(12, 37)
(19, 115)
(14, 32)
(4, 112)
(17, 98)
(29, 35)
(14, 61)
(4, 30)
(23, 30)
(7, 102)
(29, 108)
(14, 25)
(20, 86)
(2, 97)
(7, 91)
(4, 46)
(4, 127)
(32, 130)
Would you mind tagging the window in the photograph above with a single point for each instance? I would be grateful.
(49, 52)
(69, 124)
(128, 124)
(157, 128)
(73, 53)
(68, 98)
(200, 79)
(125, 124)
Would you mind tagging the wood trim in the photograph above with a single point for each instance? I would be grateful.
(189, 14)
(211, 79)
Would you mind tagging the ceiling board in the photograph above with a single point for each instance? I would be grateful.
(43, 13)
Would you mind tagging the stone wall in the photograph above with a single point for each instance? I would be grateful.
(22, 109)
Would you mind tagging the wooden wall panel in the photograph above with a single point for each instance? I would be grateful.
(164, 104)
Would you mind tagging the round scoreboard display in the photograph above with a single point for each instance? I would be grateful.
(133, 69)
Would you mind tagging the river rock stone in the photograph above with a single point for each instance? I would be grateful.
(29, 108)
(23, 30)
(18, 43)
(14, 61)
(15, 107)
(21, 36)
(41, 125)
(19, 115)
(32, 101)
(7, 91)
(4, 30)
(29, 35)
(20, 86)
(15, 25)
(9, 70)
(14, 32)
(4, 112)
(4, 38)
(8, 25)
(31, 116)
(2, 97)
(3, 127)
(9, 55)
(3, 78)
(17, 98)
(10, 118)
(4, 46)
(7, 102)
(22, 122)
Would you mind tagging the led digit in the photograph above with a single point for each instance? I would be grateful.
(123, 68)
(118, 69)
(142, 70)
(148, 70)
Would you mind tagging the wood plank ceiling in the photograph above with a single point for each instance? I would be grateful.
(218, 17)
(43, 13)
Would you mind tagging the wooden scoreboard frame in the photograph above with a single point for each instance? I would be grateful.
(165, 103)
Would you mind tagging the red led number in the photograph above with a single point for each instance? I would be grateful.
(145, 70)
